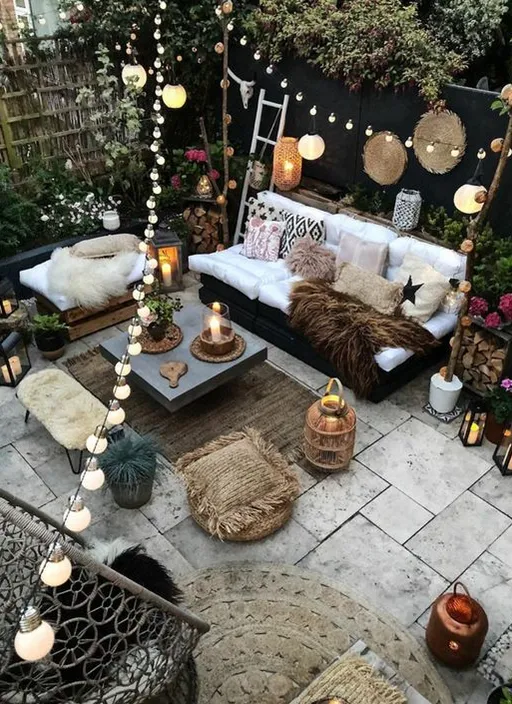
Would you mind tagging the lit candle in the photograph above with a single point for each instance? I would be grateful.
(216, 307)
(166, 274)
(5, 374)
(474, 432)
(215, 329)
(7, 307)
(15, 365)
(288, 166)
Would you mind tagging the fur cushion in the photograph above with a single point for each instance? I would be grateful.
(106, 246)
(89, 283)
(369, 288)
(424, 288)
(262, 239)
(311, 260)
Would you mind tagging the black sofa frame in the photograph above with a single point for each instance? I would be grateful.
(272, 325)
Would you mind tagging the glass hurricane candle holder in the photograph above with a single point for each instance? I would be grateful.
(217, 335)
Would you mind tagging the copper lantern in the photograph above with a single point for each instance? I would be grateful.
(330, 430)
(167, 250)
(503, 453)
(457, 628)
(471, 431)
(287, 167)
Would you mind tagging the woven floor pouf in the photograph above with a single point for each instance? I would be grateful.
(239, 487)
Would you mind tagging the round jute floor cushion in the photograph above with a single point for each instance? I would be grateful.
(274, 628)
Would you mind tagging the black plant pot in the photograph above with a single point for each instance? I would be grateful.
(496, 695)
(132, 495)
(158, 330)
(51, 344)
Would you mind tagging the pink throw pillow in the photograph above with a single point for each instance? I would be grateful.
(371, 256)
(262, 239)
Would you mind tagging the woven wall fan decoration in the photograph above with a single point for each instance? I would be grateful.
(446, 132)
(384, 158)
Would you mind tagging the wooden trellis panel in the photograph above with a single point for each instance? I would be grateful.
(38, 112)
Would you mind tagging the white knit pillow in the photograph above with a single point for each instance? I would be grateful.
(424, 288)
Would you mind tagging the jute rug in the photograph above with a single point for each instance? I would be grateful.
(263, 398)
(275, 628)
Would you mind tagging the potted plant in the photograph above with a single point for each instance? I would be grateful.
(129, 465)
(49, 335)
(162, 310)
(499, 400)
(501, 695)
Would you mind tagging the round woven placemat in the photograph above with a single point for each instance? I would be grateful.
(171, 340)
(237, 351)
(384, 161)
(446, 131)
(275, 628)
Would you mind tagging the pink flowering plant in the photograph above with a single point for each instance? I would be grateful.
(189, 165)
(505, 306)
(479, 308)
(500, 401)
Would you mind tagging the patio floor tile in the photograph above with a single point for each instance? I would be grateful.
(396, 514)
(494, 488)
(18, 477)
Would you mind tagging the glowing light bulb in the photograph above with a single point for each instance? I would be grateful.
(160, 160)
(313, 111)
(116, 414)
(77, 516)
(455, 152)
(134, 348)
(349, 125)
(332, 118)
(35, 637)
(230, 26)
(243, 40)
(157, 189)
(138, 292)
(160, 120)
(482, 154)
(93, 477)
(79, 6)
(143, 311)
(284, 83)
(163, 5)
(389, 137)
(97, 442)
(299, 97)
(431, 147)
(122, 389)
(257, 55)
(63, 16)
(270, 69)
(157, 134)
(153, 217)
(152, 263)
(135, 328)
(56, 568)
(157, 34)
(369, 131)
(154, 175)
(123, 367)
(408, 142)
(157, 106)
(158, 20)
(154, 147)
(143, 247)
(160, 49)
(148, 279)
(157, 63)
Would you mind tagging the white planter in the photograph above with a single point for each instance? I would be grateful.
(444, 395)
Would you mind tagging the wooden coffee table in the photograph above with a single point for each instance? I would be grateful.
(201, 377)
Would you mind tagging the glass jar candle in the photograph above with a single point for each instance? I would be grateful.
(217, 335)
(111, 220)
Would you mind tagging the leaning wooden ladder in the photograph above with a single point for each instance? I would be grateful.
(259, 138)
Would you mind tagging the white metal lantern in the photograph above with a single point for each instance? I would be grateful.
(311, 146)
(406, 214)
(134, 74)
(174, 97)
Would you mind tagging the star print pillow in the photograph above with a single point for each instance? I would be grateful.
(424, 288)
(262, 211)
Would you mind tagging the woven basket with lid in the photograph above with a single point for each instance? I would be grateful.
(330, 431)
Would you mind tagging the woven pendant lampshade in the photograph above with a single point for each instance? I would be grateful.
(287, 169)
(330, 431)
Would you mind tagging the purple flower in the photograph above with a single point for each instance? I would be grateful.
(176, 181)
(213, 174)
(505, 306)
(478, 306)
(493, 320)
(506, 384)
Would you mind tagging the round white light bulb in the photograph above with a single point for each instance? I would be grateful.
(174, 96)
(332, 118)
(116, 414)
(138, 292)
(35, 637)
(56, 568)
(299, 97)
(284, 83)
(482, 154)
(157, 189)
(389, 137)
(152, 263)
(96, 445)
(122, 389)
(270, 69)
(134, 348)
(160, 160)
(430, 147)
(257, 55)
(455, 152)
(122, 368)
(349, 125)
(158, 20)
(142, 312)
(142, 248)
(135, 328)
(153, 175)
(78, 516)
(153, 218)
(369, 131)
(157, 34)
(92, 479)
(408, 142)
(148, 279)
(243, 40)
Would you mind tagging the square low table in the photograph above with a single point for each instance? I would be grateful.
(201, 377)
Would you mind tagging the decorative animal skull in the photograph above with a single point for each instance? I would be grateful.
(246, 88)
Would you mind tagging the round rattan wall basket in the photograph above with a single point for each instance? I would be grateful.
(446, 132)
(384, 158)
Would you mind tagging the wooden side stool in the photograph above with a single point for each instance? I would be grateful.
(69, 412)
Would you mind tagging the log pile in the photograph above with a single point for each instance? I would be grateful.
(204, 223)
(482, 359)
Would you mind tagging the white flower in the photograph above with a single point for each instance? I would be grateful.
(60, 196)
(89, 197)
(44, 218)
(68, 165)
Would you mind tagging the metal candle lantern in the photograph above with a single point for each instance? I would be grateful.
(471, 431)
(217, 335)
(14, 359)
(287, 170)
(8, 299)
(330, 431)
(167, 249)
(457, 628)
(503, 453)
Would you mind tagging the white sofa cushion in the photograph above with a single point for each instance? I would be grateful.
(233, 269)
(337, 225)
(292, 206)
(278, 295)
(447, 262)
(36, 278)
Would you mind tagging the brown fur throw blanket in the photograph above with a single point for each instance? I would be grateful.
(349, 333)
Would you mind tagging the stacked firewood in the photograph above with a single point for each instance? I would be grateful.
(482, 359)
(204, 224)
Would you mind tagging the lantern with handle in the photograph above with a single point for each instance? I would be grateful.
(503, 452)
(471, 432)
(8, 299)
(330, 430)
(14, 359)
(457, 628)
(167, 250)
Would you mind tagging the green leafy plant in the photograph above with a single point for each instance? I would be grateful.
(368, 200)
(163, 306)
(507, 696)
(130, 461)
(43, 324)
(379, 41)
(19, 217)
(500, 401)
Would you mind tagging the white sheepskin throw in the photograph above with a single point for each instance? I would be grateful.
(89, 283)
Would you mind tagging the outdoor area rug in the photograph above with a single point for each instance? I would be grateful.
(263, 398)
